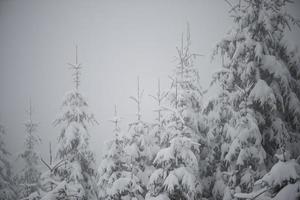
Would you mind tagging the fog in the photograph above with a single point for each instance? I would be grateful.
(117, 41)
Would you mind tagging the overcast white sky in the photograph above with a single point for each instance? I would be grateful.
(118, 40)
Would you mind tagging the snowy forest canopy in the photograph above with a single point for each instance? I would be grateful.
(238, 139)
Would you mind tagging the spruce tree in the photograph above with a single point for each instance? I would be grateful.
(259, 77)
(137, 157)
(177, 174)
(218, 115)
(158, 127)
(281, 182)
(29, 177)
(73, 143)
(112, 166)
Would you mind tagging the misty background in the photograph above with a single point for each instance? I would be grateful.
(117, 41)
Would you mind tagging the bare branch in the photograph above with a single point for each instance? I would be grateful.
(46, 164)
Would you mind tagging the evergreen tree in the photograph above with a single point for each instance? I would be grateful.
(137, 157)
(259, 77)
(177, 163)
(218, 115)
(281, 182)
(7, 186)
(74, 138)
(28, 179)
(158, 127)
(112, 166)
(127, 164)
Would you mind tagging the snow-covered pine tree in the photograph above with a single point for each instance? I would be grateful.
(235, 143)
(137, 157)
(260, 76)
(280, 183)
(112, 166)
(156, 136)
(158, 126)
(7, 186)
(218, 114)
(73, 144)
(177, 163)
(28, 178)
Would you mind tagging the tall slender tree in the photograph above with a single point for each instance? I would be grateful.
(159, 125)
(29, 177)
(177, 173)
(136, 155)
(74, 138)
(112, 166)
